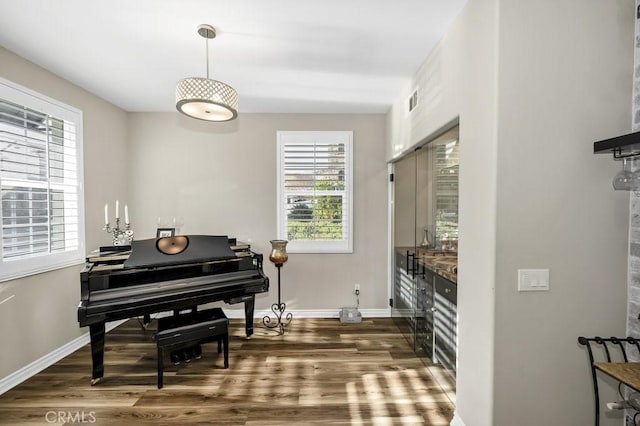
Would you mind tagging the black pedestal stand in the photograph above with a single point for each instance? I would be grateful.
(278, 309)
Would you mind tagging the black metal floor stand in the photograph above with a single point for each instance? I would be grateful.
(278, 309)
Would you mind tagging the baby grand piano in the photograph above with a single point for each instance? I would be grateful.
(166, 274)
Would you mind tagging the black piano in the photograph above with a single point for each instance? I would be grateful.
(166, 274)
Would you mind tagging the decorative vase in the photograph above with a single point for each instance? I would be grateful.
(278, 256)
(425, 239)
(278, 251)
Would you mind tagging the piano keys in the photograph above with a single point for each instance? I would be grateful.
(155, 276)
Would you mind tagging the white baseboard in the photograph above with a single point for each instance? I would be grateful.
(297, 313)
(310, 313)
(456, 421)
(17, 377)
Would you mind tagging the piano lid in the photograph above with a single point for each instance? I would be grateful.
(168, 251)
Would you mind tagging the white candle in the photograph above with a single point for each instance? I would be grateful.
(117, 208)
(126, 214)
(106, 214)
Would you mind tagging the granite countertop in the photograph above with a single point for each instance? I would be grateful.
(443, 263)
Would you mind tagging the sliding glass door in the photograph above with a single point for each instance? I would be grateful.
(425, 208)
(404, 193)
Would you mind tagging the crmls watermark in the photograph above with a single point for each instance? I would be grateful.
(63, 417)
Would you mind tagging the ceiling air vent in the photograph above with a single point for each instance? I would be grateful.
(413, 100)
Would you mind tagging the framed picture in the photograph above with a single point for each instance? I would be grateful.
(165, 232)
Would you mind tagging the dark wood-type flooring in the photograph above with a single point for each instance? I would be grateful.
(320, 372)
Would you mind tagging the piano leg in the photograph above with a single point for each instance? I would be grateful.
(249, 304)
(96, 332)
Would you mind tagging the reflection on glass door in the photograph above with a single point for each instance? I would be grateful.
(404, 187)
(446, 166)
(441, 216)
(424, 237)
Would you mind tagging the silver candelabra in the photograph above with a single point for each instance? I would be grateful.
(121, 236)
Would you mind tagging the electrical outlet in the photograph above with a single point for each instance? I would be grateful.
(356, 287)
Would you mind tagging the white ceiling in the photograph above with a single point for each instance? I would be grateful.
(310, 56)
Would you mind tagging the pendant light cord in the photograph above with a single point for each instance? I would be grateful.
(207, 55)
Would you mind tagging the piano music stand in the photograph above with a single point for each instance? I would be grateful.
(278, 256)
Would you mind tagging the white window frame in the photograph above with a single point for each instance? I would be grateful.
(11, 269)
(316, 246)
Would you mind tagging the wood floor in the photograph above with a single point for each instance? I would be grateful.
(321, 372)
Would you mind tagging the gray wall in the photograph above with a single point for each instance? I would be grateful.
(565, 81)
(221, 178)
(42, 315)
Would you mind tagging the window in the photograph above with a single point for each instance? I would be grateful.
(315, 209)
(41, 218)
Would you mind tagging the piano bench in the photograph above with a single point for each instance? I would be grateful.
(190, 329)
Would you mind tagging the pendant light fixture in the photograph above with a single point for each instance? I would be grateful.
(203, 98)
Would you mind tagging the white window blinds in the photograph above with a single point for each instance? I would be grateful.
(315, 191)
(40, 183)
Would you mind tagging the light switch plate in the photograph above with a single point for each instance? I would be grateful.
(533, 280)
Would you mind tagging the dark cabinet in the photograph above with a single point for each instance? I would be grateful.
(425, 306)
(445, 324)
(425, 313)
(404, 296)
